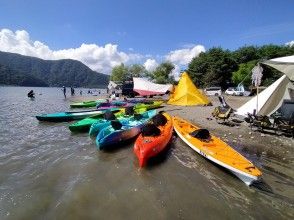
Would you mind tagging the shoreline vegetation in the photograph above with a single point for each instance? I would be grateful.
(215, 67)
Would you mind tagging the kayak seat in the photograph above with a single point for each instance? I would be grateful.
(108, 115)
(202, 134)
(116, 125)
(138, 117)
(150, 130)
(159, 120)
(129, 110)
(148, 102)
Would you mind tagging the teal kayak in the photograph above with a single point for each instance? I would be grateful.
(69, 116)
(111, 135)
(99, 125)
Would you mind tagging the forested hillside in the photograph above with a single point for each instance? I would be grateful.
(22, 70)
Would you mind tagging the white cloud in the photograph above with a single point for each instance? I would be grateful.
(176, 72)
(184, 56)
(150, 64)
(99, 58)
(290, 44)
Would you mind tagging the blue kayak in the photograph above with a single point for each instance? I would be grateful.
(99, 125)
(130, 128)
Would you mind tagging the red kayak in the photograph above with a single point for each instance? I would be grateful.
(149, 145)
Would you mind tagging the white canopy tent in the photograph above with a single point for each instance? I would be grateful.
(145, 87)
(283, 64)
(270, 99)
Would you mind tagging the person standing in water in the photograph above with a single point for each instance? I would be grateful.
(31, 94)
(64, 91)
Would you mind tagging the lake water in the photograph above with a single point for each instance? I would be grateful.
(46, 172)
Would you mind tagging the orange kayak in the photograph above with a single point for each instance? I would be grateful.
(216, 150)
(149, 146)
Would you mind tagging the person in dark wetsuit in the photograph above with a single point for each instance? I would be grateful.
(31, 94)
(72, 91)
(64, 91)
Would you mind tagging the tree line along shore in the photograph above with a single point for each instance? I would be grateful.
(215, 67)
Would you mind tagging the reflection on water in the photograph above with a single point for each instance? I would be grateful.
(48, 173)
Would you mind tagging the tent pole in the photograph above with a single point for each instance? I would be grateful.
(257, 100)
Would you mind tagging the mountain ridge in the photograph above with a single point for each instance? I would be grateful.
(16, 69)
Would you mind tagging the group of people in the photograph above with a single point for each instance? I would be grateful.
(31, 93)
(72, 91)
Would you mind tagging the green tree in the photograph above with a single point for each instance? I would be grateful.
(119, 73)
(213, 68)
(246, 54)
(162, 73)
(243, 74)
(137, 70)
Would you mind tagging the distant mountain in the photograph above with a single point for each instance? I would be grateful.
(22, 70)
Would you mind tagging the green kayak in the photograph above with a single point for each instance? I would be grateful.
(85, 124)
(149, 105)
(87, 104)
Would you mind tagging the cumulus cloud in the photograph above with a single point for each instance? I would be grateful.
(176, 73)
(184, 56)
(290, 44)
(150, 64)
(99, 58)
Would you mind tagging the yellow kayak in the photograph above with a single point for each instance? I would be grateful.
(216, 150)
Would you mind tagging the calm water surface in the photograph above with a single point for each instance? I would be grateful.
(48, 173)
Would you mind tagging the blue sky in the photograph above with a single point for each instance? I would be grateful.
(151, 28)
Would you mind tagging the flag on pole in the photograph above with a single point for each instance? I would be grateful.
(257, 75)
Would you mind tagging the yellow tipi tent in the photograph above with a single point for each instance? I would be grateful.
(186, 93)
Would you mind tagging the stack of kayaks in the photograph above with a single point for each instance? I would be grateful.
(150, 145)
(216, 150)
(68, 116)
(127, 128)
